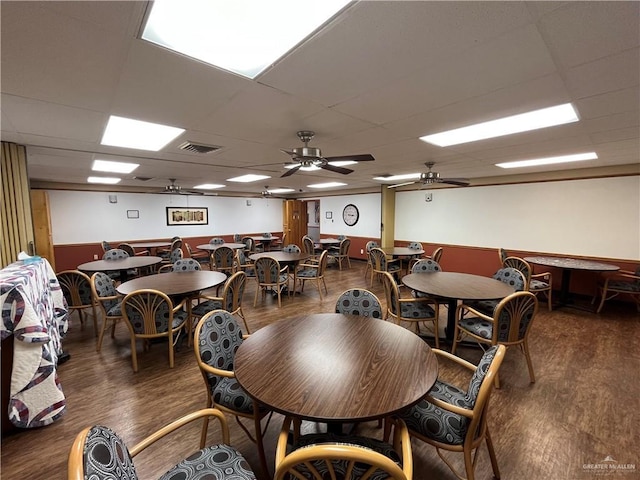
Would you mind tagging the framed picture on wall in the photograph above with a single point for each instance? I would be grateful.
(187, 216)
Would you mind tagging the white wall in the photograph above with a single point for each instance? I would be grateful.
(591, 217)
(368, 224)
(86, 217)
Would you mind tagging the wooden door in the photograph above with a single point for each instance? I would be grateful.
(42, 226)
(294, 221)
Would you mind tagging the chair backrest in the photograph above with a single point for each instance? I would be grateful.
(149, 312)
(502, 253)
(233, 291)
(415, 246)
(522, 266)
(371, 244)
(308, 246)
(176, 242)
(241, 258)
(188, 247)
(76, 288)
(437, 254)
(185, 265)
(216, 241)
(378, 259)
(341, 237)
(127, 248)
(267, 270)
(391, 293)
(322, 262)
(105, 246)
(223, 257)
(100, 454)
(115, 254)
(102, 286)
(425, 265)
(176, 254)
(291, 248)
(358, 301)
(267, 235)
(217, 338)
(512, 277)
(513, 317)
(237, 237)
(249, 244)
(344, 246)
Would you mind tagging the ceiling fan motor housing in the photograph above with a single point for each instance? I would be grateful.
(430, 177)
(307, 152)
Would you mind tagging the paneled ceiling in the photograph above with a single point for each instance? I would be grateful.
(372, 80)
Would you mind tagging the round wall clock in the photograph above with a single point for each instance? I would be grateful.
(350, 215)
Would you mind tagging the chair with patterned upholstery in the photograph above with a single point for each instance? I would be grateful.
(333, 456)
(512, 277)
(424, 265)
(358, 301)
(76, 288)
(223, 260)
(309, 247)
(106, 296)
(150, 314)
(455, 419)
(216, 241)
(509, 325)
(502, 254)
(414, 258)
(217, 338)
(381, 264)
(98, 453)
(237, 237)
(176, 255)
(538, 283)
(105, 246)
(367, 248)
(165, 253)
(202, 257)
(291, 248)
(342, 254)
(249, 245)
(436, 255)
(115, 254)
(271, 277)
(185, 265)
(413, 310)
(312, 272)
(622, 281)
(230, 300)
(277, 244)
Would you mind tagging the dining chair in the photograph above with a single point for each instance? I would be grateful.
(237, 237)
(620, 282)
(217, 338)
(509, 325)
(369, 245)
(333, 456)
(115, 254)
(424, 265)
(436, 255)
(342, 254)
(216, 241)
(245, 264)
(312, 272)
(454, 419)
(223, 260)
(165, 253)
(309, 247)
(512, 277)
(335, 249)
(381, 264)
(76, 288)
(105, 246)
(412, 310)
(270, 276)
(150, 314)
(358, 301)
(106, 296)
(202, 257)
(414, 258)
(538, 283)
(230, 300)
(502, 254)
(99, 453)
(277, 244)
(185, 265)
(291, 248)
(249, 245)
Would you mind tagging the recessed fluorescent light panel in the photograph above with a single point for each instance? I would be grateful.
(280, 190)
(327, 185)
(395, 178)
(107, 180)
(578, 157)
(113, 167)
(248, 178)
(241, 36)
(209, 186)
(129, 133)
(524, 122)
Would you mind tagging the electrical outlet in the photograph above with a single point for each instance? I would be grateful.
(95, 257)
(362, 251)
(428, 197)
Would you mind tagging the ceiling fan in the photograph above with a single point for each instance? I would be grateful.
(312, 157)
(175, 189)
(428, 178)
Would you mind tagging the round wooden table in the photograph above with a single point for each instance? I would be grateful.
(567, 265)
(285, 258)
(210, 247)
(121, 265)
(175, 283)
(402, 251)
(335, 368)
(265, 241)
(454, 286)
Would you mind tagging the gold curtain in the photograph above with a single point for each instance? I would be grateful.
(16, 221)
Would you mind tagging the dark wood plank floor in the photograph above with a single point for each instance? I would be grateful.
(582, 408)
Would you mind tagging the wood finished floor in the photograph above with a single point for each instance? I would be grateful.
(582, 408)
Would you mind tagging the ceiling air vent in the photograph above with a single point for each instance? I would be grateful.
(198, 148)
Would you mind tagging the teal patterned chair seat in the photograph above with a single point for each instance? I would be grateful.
(98, 453)
(438, 420)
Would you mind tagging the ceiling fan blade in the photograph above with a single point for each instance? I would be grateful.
(291, 171)
(333, 168)
(463, 182)
(400, 184)
(356, 158)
